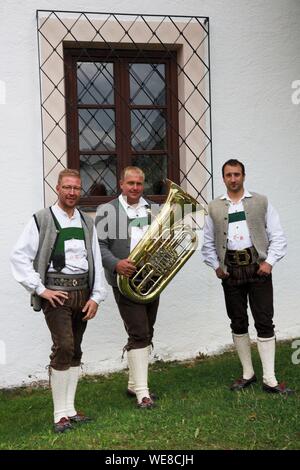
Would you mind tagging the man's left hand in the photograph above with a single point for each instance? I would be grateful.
(264, 269)
(90, 309)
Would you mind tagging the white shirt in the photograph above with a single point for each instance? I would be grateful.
(26, 248)
(135, 211)
(238, 236)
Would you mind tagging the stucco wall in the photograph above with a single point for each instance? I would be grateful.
(254, 60)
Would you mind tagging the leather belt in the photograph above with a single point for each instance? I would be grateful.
(241, 257)
(67, 282)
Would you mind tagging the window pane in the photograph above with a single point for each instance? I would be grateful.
(148, 129)
(147, 84)
(98, 175)
(96, 129)
(95, 83)
(155, 169)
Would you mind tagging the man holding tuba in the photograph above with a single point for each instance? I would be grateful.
(121, 224)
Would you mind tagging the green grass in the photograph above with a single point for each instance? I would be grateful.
(196, 410)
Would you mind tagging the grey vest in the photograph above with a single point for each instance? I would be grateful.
(112, 230)
(47, 238)
(255, 210)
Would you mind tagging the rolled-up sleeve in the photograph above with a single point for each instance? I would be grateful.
(278, 244)
(99, 292)
(209, 253)
(22, 257)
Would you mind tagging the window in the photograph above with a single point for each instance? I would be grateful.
(122, 109)
(119, 89)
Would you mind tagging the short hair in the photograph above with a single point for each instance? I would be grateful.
(131, 169)
(233, 162)
(68, 172)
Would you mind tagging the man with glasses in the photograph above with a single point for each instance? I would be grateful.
(57, 259)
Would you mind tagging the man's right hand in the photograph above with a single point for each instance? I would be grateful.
(125, 267)
(221, 274)
(54, 296)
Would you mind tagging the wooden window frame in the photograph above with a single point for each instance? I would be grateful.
(120, 58)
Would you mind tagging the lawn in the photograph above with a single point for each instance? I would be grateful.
(195, 411)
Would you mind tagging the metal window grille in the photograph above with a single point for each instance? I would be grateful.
(188, 35)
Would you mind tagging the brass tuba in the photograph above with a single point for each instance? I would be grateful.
(163, 250)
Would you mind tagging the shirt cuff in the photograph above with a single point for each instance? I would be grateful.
(40, 289)
(270, 260)
(96, 299)
(99, 296)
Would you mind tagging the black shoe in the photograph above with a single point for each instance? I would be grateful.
(131, 394)
(146, 403)
(62, 425)
(279, 388)
(241, 383)
(79, 418)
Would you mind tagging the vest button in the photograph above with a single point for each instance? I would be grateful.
(225, 218)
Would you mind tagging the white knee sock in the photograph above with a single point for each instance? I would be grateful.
(266, 349)
(131, 384)
(243, 347)
(59, 384)
(138, 360)
(71, 390)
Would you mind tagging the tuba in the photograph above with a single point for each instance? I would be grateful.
(164, 248)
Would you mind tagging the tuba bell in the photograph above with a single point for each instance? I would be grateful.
(164, 248)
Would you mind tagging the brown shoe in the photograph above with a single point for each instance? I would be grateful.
(281, 388)
(62, 425)
(131, 394)
(79, 418)
(146, 403)
(241, 383)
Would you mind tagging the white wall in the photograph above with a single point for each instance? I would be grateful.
(254, 60)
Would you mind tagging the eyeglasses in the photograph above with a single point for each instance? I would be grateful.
(68, 189)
